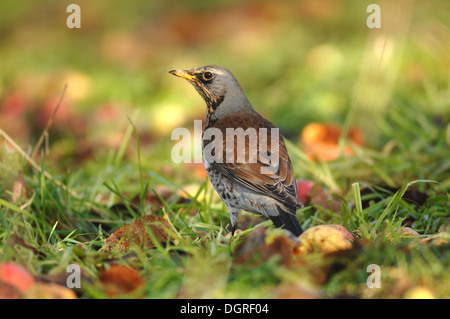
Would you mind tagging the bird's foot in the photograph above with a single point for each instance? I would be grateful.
(233, 229)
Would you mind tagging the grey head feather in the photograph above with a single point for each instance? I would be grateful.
(222, 88)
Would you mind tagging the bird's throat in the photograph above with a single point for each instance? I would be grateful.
(212, 103)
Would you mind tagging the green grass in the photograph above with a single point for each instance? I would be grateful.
(297, 66)
(64, 221)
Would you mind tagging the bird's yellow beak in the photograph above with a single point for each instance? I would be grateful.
(184, 74)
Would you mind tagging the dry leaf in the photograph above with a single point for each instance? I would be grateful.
(120, 279)
(8, 291)
(280, 245)
(263, 244)
(137, 233)
(323, 199)
(245, 250)
(407, 232)
(445, 227)
(438, 239)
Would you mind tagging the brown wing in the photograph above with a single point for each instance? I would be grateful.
(257, 172)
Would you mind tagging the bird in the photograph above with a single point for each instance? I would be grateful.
(260, 181)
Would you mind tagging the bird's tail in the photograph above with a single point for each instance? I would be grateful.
(287, 221)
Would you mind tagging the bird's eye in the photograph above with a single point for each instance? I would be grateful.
(207, 75)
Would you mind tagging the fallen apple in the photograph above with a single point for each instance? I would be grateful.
(16, 276)
(305, 189)
(325, 239)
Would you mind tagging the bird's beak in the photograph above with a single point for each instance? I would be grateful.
(184, 74)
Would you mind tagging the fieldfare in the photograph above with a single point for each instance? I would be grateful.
(244, 155)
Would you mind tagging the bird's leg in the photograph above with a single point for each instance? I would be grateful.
(233, 229)
(234, 218)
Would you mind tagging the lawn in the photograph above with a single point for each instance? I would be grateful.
(93, 206)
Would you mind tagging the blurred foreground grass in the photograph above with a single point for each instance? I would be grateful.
(298, 63)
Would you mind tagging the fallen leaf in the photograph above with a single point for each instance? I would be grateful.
(8, 291)
(262, 244)
(280, 244)
(119, 280)
(323, 199)
(247, 248)
(438, 239)
(407, 232)
(445, 227)
(137, 233)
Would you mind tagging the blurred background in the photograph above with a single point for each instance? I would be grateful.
(313, 68)
(298, 62)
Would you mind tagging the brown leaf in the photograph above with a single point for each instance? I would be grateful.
(279, 245)
(263, 244)
(120, 280)
(439, 239)
(407, 232)
(8, 291)
(323, 199)
(250, 245)
(445, 227)
(137, 233)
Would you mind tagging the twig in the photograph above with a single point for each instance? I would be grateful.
(49, 123)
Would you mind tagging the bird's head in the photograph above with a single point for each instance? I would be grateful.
(216, 85)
